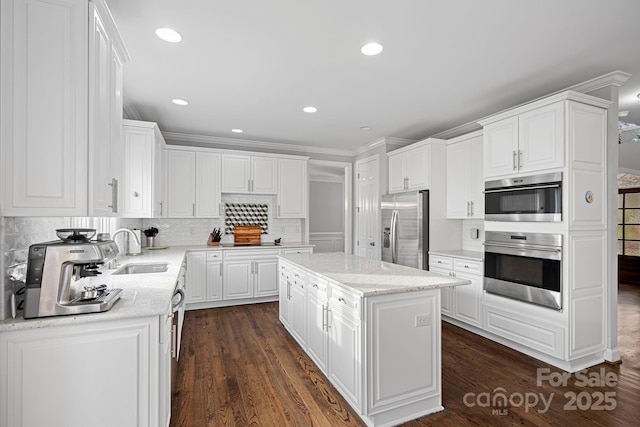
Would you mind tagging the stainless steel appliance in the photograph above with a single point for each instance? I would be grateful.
(524, 266)
(55, 268)
(532, 198)
(405, 229)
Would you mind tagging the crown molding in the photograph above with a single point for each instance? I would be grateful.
(388, 141)
(459, 130)
(235, 143)
(130, 111)
(614, 78)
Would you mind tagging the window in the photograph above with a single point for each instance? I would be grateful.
(629, 222)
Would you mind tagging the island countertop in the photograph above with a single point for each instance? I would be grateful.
(369, 277)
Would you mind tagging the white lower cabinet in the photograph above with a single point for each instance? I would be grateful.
(463, 303)
(293, 302)
(344, 347)
(250, 274)
(204, 277)
(372, 349)
(225, 277)
(121, 363)
(317, 304)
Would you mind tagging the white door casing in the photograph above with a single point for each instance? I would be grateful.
(367, 207)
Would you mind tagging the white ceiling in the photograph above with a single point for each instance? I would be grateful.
(254, 64)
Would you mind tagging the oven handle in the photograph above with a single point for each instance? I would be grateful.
(523, 247)
(531, 187)
(551, 253)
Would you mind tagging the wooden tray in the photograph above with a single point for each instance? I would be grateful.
(246, 234)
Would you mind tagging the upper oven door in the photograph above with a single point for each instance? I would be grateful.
(522, 201)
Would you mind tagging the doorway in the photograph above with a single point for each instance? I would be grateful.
(330, 206)
(629, 228)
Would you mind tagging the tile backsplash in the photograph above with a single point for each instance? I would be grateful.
(195, 231)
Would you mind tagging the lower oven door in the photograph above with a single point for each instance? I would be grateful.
(526, 274)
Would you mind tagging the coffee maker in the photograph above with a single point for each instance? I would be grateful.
(54, 269)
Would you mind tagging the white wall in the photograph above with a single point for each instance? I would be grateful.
(326, 216)
(326, 207)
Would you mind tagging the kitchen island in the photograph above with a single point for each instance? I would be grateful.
(373, 328)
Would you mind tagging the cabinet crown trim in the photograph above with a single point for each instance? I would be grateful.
(569, 95)
(428, 141)
(233, 152)
(465, 137)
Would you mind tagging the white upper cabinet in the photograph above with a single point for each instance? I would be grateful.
(292, 188)
(528, 142)
(465, 183)
(181, 180)
(142, 184)
(249, 174)
(264, 175)
(541, 138)
(193, 184)
(105, 115)
(44, 107)
(207, 185)
(408, 168)
(61, 108)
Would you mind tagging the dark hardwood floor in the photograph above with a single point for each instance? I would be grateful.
(239, 367)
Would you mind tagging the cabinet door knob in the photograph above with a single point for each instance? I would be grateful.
(370, 244)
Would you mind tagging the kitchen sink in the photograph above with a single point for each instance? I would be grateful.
(156, 267)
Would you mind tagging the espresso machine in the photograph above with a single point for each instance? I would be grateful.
(55, 268)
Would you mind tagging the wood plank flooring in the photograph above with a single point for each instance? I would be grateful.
(239, 367)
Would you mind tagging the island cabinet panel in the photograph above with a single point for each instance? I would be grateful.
(412, 324)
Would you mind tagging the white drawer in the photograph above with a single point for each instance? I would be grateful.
(242, 254)
(466, 266)
(317, 285)
(298, 277)
(341, 299)
(290, 251)
(214, 256)
(440, 261)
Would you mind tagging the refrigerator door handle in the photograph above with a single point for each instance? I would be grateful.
(394, 237)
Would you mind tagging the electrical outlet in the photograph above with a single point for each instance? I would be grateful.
(423, 320)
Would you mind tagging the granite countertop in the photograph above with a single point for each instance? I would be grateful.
(470, 255)
(142, 294)
(369, 277)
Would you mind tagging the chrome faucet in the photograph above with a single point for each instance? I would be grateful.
(134, 246)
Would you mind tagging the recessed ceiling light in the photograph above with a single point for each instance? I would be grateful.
(366, 127)
(169, 35)
(237, 130)
(309, 109)
(371, 49)
(179, 101)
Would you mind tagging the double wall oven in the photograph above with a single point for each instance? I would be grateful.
(524, 266)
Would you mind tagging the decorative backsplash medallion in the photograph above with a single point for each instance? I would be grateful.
(245, 214)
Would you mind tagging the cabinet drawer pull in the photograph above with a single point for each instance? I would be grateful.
(342, 300)
(515, 164)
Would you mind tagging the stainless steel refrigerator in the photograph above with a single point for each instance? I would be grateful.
(405, 229)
